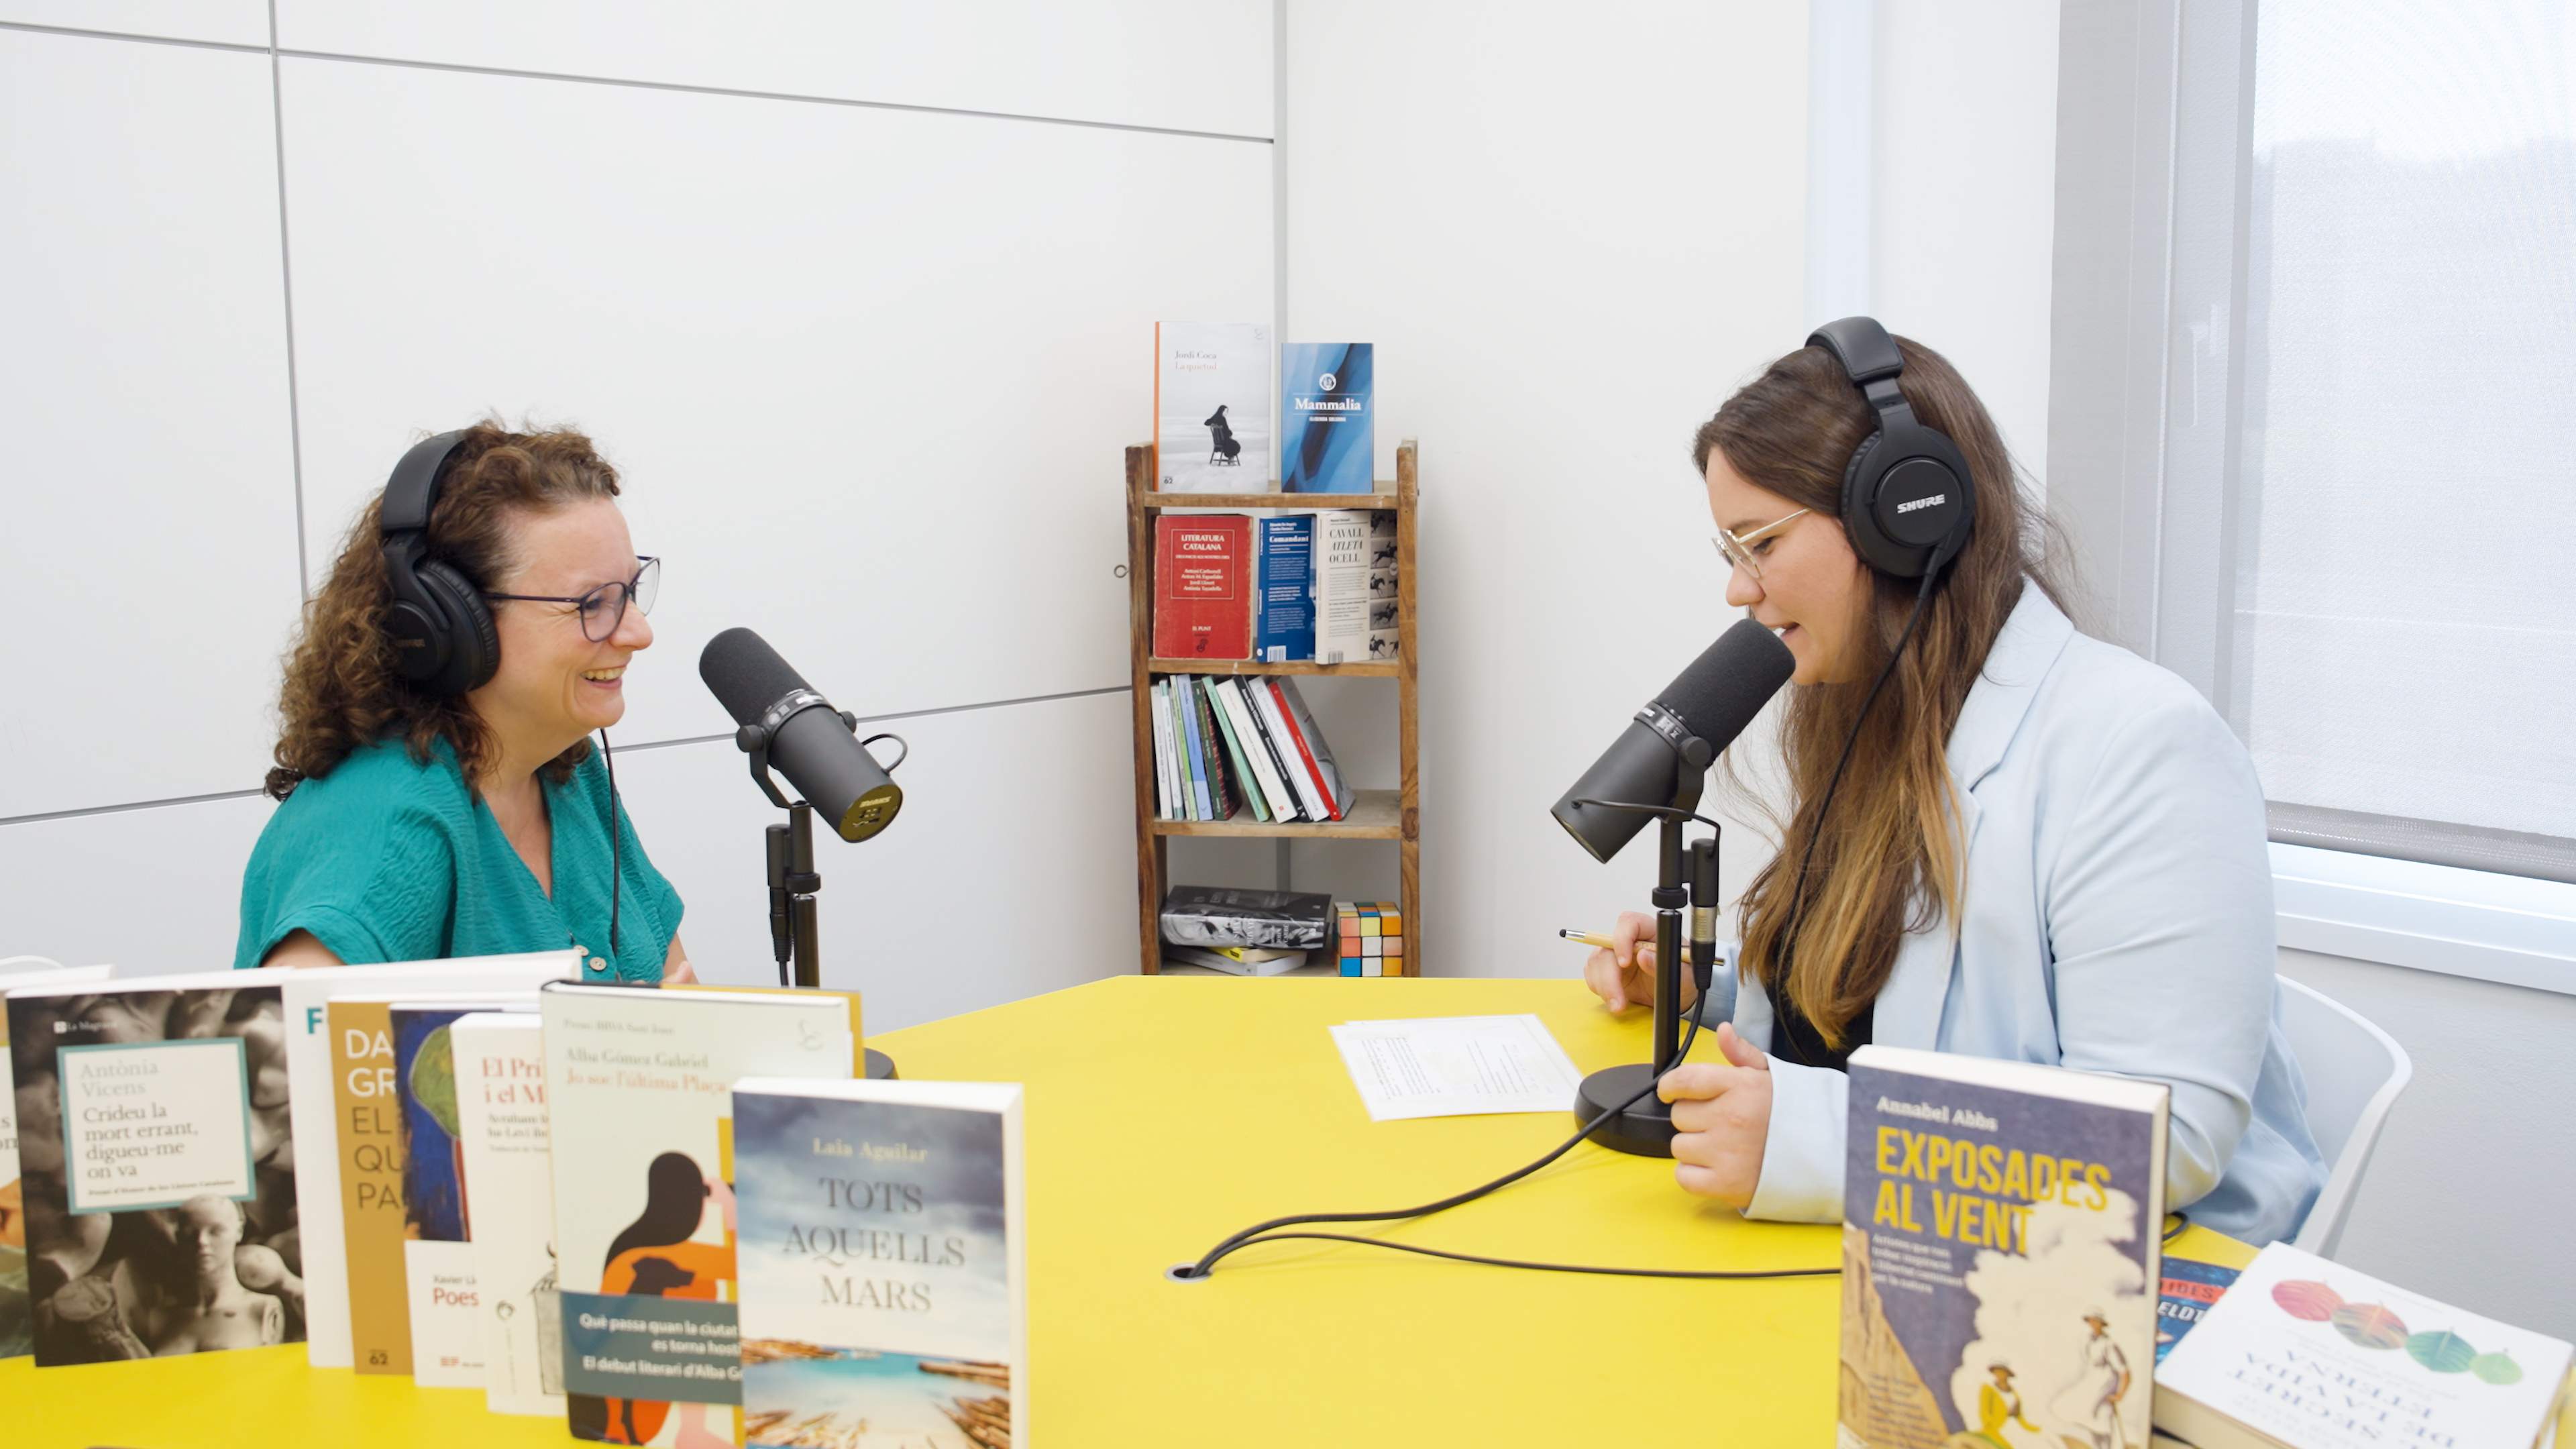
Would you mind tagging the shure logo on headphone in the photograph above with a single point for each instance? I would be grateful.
(1923, 503)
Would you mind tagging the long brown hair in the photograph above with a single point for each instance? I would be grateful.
(342, 690)
(1892, 854)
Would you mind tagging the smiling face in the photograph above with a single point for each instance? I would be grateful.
(1812, 587)
(555, 685)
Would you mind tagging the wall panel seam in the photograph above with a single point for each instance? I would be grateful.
(238, 47)
(286, 290)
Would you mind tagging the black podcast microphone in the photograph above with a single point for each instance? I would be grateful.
(809, 741)
(1712, 701)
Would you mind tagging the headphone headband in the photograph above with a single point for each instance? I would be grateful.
(1863, 348)
(1908, 500)
(413, 487)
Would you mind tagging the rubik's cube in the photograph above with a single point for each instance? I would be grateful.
(1372, 938)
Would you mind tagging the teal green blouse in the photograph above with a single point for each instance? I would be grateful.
(389, 859)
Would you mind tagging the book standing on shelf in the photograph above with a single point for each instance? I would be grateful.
(2001, 1233)
(1266, 773)
(445, 1303)
(1185, 699)
(1316, 755)
(1202, 586)
(1384, 638)
(1284, 602)
(152, 1115)
(1294, 764)
(1341, 585)
(1327, 432)
(501, 1112)
(1212, 394)
(2301, 1353)
(1238, 764)
(884, 1263)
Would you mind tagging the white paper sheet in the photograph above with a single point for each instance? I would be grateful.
(1456, 1066)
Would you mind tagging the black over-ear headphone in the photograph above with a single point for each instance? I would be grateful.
(1908, 504)
(444, 639)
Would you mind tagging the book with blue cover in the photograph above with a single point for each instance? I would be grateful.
(1327, 406)
(1283, 600)
(2001, 1243)
(883, 1263)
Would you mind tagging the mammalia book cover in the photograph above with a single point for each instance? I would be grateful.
(16, 1323)
(1283, 591)
(314, 1107)
(2000, 1248)
(1327, 417)
(639, 1095)
(1212, 395)
(2305, 1353)
(501, 1120)
(884, 1269)
(1341, 585)
(2184, 1297)
(156, 1166)
(1222, 916)
(1202, 586)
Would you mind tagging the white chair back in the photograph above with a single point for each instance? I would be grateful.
(2354, 1072)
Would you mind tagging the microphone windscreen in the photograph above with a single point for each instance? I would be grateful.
(1727, 685)
(746, 675)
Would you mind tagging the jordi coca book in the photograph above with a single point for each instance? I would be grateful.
(1202, 586)
(884, 1264)
(1212, 395)
(2300, 1353)
(2000, 1248)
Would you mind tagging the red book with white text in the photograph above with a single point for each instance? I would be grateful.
(1203, 586)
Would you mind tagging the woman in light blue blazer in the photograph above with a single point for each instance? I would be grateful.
(2041, 848)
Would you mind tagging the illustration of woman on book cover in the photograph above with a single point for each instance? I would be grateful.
(657, 1256)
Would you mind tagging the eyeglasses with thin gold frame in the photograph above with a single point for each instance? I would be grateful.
(1737, 548)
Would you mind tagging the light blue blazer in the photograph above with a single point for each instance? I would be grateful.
(2118, 919)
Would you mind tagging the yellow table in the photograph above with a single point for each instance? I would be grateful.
(1162, 1114)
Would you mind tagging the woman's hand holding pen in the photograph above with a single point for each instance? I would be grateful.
(1621, 970)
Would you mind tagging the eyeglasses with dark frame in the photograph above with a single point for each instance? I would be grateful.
(607, 602)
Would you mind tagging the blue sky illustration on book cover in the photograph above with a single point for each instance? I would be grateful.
(425, 1083)
(876, 1302)
(1327, 412)
(1998, 1265)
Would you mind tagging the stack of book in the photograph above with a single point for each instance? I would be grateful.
(484, 1176)
(1372, 937)
(1315, 586)
(1244, 932)
(1223, 744)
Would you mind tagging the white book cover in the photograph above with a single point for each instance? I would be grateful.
(1341, 586)
(1265, 770)
(16, 1325)
(1160, 706)
(2305, 1353)
(884, 1264)
(1328, 772)
(1212, 407)
(509, 1184)
(440, 1283)
(1310, 791)
(639, 1095)
(308, 1058)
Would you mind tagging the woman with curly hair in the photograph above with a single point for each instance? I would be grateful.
(439, 796)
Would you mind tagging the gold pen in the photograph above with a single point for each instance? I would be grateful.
(1589, 938)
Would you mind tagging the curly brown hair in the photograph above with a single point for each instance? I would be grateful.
(342, 689)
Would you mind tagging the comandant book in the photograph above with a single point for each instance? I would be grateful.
(509, 1183)
(884, 1263)
(639, 1094)
(308, 1057)
(2300, 1353)
(17, 1326)
(156, 1165)
(2001, 1233)
(1212, 394)
(1327, 412)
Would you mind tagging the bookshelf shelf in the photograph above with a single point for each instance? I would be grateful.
(1254, 666)
(1378, 815)
(1389, 815)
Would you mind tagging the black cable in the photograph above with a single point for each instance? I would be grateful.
(1551, 1267)
(616, 880)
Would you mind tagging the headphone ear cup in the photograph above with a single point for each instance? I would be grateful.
(1860, 514)
(474, 638)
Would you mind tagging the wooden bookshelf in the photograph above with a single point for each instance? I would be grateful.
(1378, 814)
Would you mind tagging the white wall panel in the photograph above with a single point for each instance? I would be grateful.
(153, 890)
(1011, 871)
(1196, 65)
(232, 22)
(867, 372)
(147, 562)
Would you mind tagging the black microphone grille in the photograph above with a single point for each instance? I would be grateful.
(745, 674)
(1727, 685)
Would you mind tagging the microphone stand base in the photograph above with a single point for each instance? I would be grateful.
(880, 1066)
(1645, 1129)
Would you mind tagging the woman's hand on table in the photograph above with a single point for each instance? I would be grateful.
(1721, 1120)
(1624, 975)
